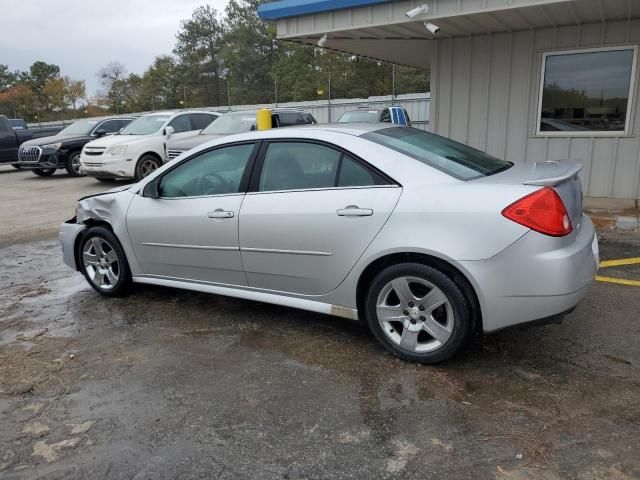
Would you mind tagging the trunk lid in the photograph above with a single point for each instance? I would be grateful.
(561, 175)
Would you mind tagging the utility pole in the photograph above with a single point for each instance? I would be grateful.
(228, 92)
(275, 89)
(184, 95)
(329, 100)
(393, 83)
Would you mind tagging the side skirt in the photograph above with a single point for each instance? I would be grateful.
(285, 301)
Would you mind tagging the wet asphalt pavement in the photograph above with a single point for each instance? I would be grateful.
(168, 384)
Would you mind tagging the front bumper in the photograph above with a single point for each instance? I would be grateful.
(537, 277)
(46, 160)
(68, 234)
(107, 166)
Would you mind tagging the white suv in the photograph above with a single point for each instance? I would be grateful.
(140, 147)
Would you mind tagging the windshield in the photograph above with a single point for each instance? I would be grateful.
(145, 125)
(82, 127)
(358, 116)
(452, 158)
(229, 124)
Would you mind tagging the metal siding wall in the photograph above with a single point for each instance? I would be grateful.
(497, 111)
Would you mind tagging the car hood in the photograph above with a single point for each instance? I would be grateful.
(106, 142)
(38, 142)
(190, 142)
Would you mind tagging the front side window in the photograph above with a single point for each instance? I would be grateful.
(299, 166)
(585, 92)
(216, 172)
(81, 127)
(201, 120)
(181, 124)
(453, 158)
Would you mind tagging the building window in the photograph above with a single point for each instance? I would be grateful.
(587, 92)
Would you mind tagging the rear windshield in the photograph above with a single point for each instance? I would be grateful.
(356, 116)
(453, 158)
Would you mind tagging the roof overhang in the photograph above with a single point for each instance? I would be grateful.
(381, 29)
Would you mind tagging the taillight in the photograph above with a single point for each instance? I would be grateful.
(542, 211)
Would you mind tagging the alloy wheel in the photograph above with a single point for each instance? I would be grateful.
(147, 166)
(101, 263)
(415, 314)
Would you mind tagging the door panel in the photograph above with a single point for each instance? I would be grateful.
(191, 238)
(299, 242)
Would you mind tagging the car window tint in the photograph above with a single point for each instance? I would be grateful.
(406, 114)
(201, 120)
(215, 172)
(288, 119)
(386, 116)
(354, 174)
(124, 123)
(293, 166)
(109, 126)
(181, 124)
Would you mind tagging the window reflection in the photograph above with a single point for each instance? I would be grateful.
(586, 91)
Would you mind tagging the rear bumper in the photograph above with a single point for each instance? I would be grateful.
(67, 236)
(536, 278)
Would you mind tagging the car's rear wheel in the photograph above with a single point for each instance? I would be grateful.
(103, 262)
(418, 313)
(44, 172)
(146, 165)
(72, 164)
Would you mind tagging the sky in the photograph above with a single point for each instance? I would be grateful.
(81, 36)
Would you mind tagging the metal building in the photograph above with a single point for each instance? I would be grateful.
(525, 80)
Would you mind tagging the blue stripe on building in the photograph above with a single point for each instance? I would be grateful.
(293, 8)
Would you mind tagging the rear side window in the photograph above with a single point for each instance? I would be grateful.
(453, 158)
(354, 174)
(294, 166)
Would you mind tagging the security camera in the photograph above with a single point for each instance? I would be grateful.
(414, 12)
(434, 29)
(323, 40)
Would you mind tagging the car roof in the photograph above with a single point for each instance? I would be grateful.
(355, 129)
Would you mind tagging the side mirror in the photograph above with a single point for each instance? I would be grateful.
(168, 131)
(101, 132)
(152, 189)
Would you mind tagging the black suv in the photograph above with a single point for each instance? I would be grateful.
(46, 154)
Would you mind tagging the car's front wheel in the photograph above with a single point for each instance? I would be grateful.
(72, 164)
(103, 262)
(146, 165)
(418, 313)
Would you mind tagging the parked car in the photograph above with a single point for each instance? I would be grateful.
(11, 139)
(239, 122)
(423, 238)
(46, 154)
(394, 114)
(140, 148)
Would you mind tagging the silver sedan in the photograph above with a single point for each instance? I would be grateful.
(423, 239)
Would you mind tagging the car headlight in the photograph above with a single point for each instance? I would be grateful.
(52, 146)
(117, 150)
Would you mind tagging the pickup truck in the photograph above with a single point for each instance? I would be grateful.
(11, 139)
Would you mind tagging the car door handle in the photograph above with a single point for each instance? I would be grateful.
(220, 213)
(354, 211)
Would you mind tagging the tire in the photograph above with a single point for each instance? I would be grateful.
(146, 164)
(103, 263)
(106, 180)
(44, 172)
(409, 327)
(72, 164)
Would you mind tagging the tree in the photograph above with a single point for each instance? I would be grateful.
(7, 78)
(198, 47)
(55, 94)
(111, 77)
(163, 82)
(39, 74)
(74, 91)
(20, 100)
